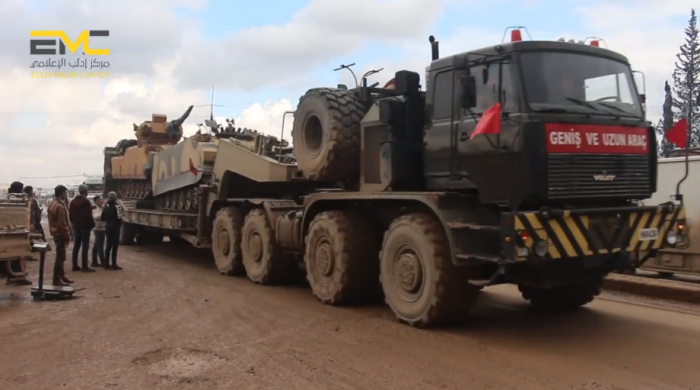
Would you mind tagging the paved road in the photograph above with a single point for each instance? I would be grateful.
(169, 320)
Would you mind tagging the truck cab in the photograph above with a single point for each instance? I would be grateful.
(573, 127)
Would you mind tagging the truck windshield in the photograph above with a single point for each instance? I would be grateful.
(579, 83)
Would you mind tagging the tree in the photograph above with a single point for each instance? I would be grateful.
(686, 80)
(666, 122)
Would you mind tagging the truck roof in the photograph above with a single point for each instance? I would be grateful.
(510, 47)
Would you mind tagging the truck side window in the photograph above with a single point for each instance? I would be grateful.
(509, 99)
(487, 90)
(442, 95)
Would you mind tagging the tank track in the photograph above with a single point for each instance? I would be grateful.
(134, 189)
(183, 199)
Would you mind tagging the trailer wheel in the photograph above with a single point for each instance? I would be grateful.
(326, 134)
(421, 284)
(128, 233)
(561, 298)
(226, 241)
(340, 257)
(264, 262)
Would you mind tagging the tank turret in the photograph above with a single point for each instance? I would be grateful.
(158, 131)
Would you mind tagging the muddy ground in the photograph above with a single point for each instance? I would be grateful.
(170, 321)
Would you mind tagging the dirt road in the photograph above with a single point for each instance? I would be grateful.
(170, 321)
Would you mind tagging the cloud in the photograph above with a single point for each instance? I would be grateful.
(417, 54)
(162, 63)
(648, 33)
(60, 126)
(282, 55)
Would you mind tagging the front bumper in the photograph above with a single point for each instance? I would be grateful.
(551, 234)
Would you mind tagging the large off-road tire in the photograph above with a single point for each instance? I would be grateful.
(128, 233)
(226, 241)
(421, 284)
(561, 298)
(326, 134)
(263, 260)
(341, 252)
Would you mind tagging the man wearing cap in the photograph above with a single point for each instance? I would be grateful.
(112, 216)
(61, 233)
(80, 213)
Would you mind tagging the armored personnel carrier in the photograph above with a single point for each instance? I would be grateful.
(161, 167)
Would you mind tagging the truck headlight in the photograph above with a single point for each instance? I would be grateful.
(541, 248)
(671, 237)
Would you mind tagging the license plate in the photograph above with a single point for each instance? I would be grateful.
(648, 234)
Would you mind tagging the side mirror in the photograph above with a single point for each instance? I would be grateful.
(468, 91)
(642, 98)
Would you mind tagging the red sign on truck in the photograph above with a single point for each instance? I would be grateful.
(596, 139)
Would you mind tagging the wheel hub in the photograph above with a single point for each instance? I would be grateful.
(409, 272)
(255, 247)
(324, 258)
(224, 241)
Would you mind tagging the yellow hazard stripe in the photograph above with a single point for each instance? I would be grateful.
(575, 235)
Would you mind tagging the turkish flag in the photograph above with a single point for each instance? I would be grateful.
(490, 122)
(678, 133)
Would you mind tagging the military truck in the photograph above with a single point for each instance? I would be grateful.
(683, 258)
(16, 236)
(393, 190)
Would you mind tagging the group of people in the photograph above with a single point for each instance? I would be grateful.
(75, 222)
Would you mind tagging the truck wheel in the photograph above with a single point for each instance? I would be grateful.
(561, 298)
(340, 257)
(128, 233)
(421, 284)
(326, 134)
(264, 262)
(226, 241)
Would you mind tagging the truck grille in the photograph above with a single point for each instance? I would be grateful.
(598, 176)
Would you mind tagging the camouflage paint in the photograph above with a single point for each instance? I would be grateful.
(172, 168)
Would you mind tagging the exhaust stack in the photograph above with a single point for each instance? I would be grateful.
(435, 47)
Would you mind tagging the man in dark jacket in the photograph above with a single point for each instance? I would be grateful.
(59, 228)
(112, 216)
(80, 212)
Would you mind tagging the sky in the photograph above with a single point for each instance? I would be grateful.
(261, 56)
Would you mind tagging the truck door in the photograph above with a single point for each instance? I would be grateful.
(437, 137)
(494, 84)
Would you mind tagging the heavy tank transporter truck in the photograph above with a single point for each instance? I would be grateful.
(392, 189)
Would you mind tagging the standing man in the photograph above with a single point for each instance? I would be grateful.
(98, 247)
(61, 233)
(35, 219)
(112, 216)
(80, 212)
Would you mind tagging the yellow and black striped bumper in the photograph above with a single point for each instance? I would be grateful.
(580, 233)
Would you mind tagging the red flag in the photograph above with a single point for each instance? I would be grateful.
(192, 168)
(490, 122)
(678, 133)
